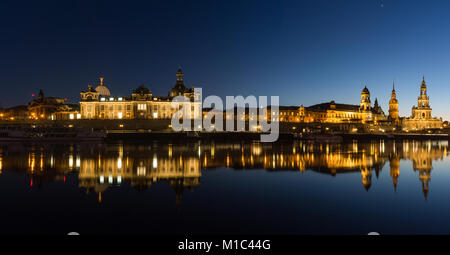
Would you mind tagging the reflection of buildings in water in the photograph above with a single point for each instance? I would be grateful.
(394, 165)
(422, 156)
(324, 158)
(331, 158)
(366, 175)
(141, 170)
(99, 167)
(301, 156)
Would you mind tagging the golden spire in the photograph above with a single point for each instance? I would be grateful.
(101, 81)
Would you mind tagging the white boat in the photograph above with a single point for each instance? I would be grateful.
(49, 134)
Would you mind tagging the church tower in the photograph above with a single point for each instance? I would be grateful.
(423, 100)
(180, 76)
(423, 109)
(179, 89)
(393, 105)
(365, 100)
(421, 114)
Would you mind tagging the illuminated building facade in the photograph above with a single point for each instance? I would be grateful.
(51, 108)
(421, 114)
(19, 112)
(291, 113)
(364, 113)
(99, 104)
(332, 112)
(142, 104)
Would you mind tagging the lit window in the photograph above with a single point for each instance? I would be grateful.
(119, 115)
(141, 170)
(155, 161)
(142, 107)
(111, 99)
(120, 99)
(71, 116)
(78, 116)
(102, 99)
(155, 115)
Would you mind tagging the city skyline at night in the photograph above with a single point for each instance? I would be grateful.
(224, 126)
(305, 53)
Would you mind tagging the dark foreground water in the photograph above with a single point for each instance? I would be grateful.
(215, 188)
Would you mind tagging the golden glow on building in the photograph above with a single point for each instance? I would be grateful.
(142, 104)
(421, 117)
(393, 106)
(364, 113)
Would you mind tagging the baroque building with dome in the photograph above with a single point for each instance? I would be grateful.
(365, 113)
(332, 112)
(98, 103)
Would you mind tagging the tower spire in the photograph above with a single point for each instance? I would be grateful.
(393, 104)
(180, 75)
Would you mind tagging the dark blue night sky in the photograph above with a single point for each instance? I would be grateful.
(306, 52)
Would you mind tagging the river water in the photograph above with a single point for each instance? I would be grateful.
(166, 187)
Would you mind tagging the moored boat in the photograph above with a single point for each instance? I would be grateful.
(49, 134)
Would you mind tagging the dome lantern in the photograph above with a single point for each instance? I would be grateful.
(102, 89)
